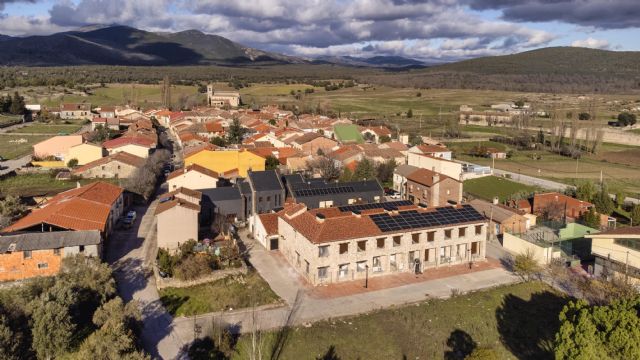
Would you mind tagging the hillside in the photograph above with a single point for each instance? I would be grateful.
(557, 69)
(554, 60)
(122, 45)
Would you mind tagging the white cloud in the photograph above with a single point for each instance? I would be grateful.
(592, 43)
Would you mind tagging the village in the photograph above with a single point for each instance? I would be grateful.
(313, 212)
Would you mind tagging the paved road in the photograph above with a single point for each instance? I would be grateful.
(131, 254)
(11, 165)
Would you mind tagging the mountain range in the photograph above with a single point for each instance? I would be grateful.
(123, 45)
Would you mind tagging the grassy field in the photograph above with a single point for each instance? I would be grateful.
(619, 164)
(232, 292)
(142, 95)
(489, 186)
(38, 128)
(40, 184)
(518, 321)
(15, 146)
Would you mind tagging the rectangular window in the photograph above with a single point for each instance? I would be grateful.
(447, 234)
(361, 266)
(268, 198)
(377, 264)
(478, 229)
(344, 248)
(462, 232)
(397, 241)
(415, 238)
(306, 267)
(56, 252)
(393, 265)
(431, 236)
(323, 272)
(81, 248)
(380, 243)
(259, 198)
(323, 251)
(43, 265)
(343, 270)
(26, 254)
(362, 245)
(628, 243)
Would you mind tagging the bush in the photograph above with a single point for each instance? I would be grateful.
(525, 265)
(72, 163)
(193, 267)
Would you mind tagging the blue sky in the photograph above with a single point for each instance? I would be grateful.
(434, 30)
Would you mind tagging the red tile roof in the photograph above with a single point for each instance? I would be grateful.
(430, 149)
(122, 157)
(125, 140)
(84, 208)
(270, 223)
(425, 177)
(629, 230)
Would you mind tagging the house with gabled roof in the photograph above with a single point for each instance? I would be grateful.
(193, 177)
(431, 188)
(95, 206)
(139, 146)
(177, 217)
(360, 241)
(120, 165)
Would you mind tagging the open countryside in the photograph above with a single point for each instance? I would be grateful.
(346, 181)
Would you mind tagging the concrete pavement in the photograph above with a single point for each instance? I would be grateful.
(15, 164)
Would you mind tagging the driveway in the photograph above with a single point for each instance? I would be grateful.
(11, 165)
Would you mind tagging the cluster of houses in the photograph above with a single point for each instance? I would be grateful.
(328, 231)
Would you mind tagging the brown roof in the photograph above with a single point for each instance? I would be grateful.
(425, 177)
(166, 205)
(629, 230)
(193, 167)
(270, 223)
(303, 139)
(75, 107)
(432, 148)
(84, 208)
(122, 157)
(182, 190)
(127, 140)
(541, 200)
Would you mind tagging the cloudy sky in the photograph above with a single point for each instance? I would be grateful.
(431, 30)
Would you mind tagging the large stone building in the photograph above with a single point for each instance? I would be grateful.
(75, 111)
(120, 165)
(221, 98)
(353, 242)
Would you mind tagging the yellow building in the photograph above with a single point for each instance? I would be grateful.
(85, 153)
(226, 160)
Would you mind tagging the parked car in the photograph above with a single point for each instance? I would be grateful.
(130, 218)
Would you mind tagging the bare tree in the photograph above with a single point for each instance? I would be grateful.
(328, 168)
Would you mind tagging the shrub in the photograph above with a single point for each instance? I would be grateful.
(525, 265)
(193, 267)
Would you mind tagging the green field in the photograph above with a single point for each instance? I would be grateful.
(40, 184)
(15, 146)
(37, 128)
(143, 95)
(517, 321)
(232, 292)
(490, 186)
(9, 119)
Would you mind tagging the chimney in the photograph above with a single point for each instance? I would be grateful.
(356, 213)
(78, 186)
(496, 200)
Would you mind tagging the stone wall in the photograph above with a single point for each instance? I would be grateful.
(162, 283)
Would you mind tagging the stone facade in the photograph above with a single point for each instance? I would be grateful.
(347, 260)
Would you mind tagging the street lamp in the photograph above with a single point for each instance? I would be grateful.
(366, 276)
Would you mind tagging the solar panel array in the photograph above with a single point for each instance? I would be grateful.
(412, 219)
(324, 191)
(389, 205)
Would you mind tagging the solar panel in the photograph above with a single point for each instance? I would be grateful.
(389, 205)
(413, 220)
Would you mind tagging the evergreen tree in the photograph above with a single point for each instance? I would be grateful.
(272, 162)
(364, 170)
(599, 332)
(586, 190)
(591, 219)
(635, 215)
(17, 106)
(602, 201)
(235, 132)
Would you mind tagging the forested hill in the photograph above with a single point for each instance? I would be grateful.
(557, 69)
(123, 45)
(554, 60)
